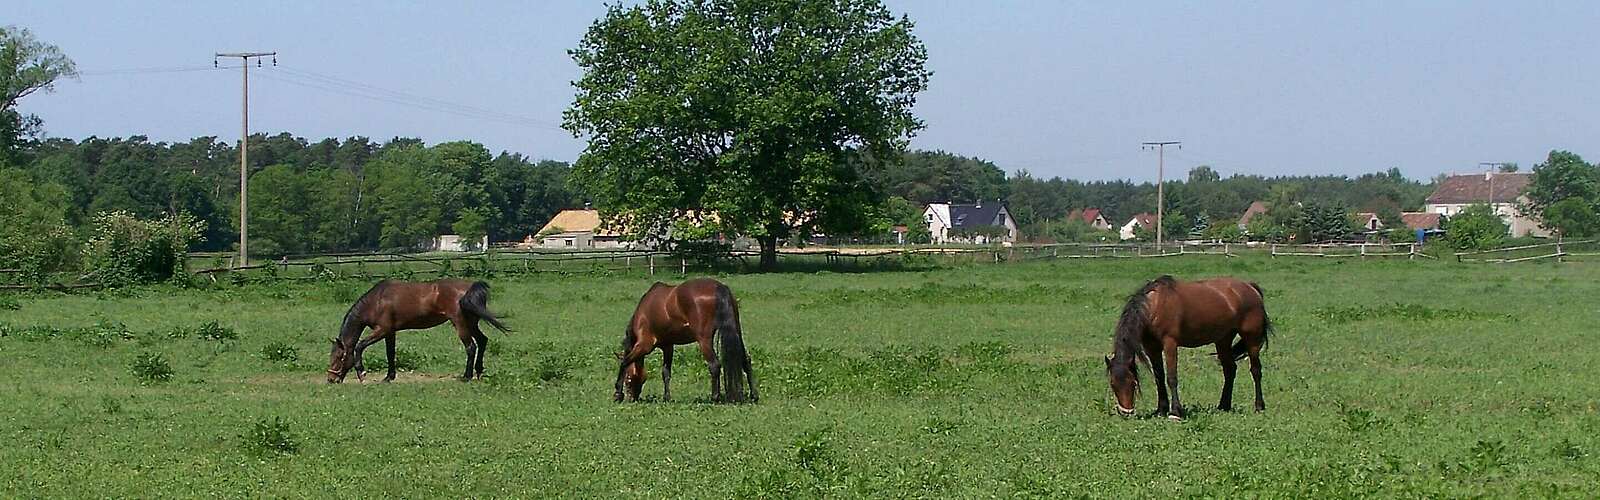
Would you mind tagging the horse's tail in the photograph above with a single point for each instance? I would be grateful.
(1239, 347)
(735, 361)
(476, 301)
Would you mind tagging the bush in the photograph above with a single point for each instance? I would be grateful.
(151, 368)
(34, 236)
(124, 250)
(271, 437)
(213, 331)
(1476, 228)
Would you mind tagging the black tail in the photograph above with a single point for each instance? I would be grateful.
(476, 301)
(1239, 348)
(735, 361)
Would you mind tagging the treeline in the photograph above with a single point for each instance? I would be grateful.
(307, 196)
(1199, 201)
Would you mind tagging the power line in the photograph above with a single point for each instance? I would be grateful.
(244, 146)
(154, 70)
(372, 92)
(333, 80)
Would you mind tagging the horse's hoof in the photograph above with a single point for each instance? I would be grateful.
(1175, 418)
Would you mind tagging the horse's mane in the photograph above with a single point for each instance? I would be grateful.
(1128, 342)
(354, 320)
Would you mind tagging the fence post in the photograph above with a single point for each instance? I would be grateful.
(1363, 251)
(652, 265)
(1273, 253)
(683, 266)
(1558, 250)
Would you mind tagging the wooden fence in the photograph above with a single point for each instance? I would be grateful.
(1559, 251)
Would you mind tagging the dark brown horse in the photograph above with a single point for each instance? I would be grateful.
(391, 306)
(1166, 314)
(697, 311)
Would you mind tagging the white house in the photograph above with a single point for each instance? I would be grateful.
(454, 243)
(958, 222)
(1145, 220)
(1368, 221)
(1502, 191)
(575, 230)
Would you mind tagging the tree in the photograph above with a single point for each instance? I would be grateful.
(743, 116)
(406, 205)
(27, 65)
(472, 225)
(1476, 228)
(1564, 178)
(34, 236)
(1571, 217)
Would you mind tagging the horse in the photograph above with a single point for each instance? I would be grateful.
(391, 306)
(695, 311)
(1166, 314)
(633, 381)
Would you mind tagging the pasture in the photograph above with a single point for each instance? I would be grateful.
(1391, 378)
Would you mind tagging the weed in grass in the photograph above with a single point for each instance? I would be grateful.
(1407, 312)
(280, 353)
(1568, 450)
(1358, 419)
(151, 368)
(8, 303)
(110, 405)
(271, 438)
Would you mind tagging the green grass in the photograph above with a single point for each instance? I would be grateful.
(1387, 378)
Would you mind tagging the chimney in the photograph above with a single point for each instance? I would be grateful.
(979, 204)
(586, 206)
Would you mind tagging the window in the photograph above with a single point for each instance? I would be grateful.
(567, 241)
(929, 217)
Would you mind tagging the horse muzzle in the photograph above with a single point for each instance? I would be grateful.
(1126, 412)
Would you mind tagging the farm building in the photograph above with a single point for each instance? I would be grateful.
(1502, 191)
(1368, 221)
(1145, 220)
(576, 229)
(454, 243)
(1422, 220)
(1256, 208)
(970, 223)
(1090, 216)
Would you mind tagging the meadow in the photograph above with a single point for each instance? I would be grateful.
(1386, 378)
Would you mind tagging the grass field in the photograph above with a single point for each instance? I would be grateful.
(1386, 378)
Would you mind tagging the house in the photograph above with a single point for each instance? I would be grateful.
(1422, 220)
(1256, 208)
(1502, 191)
(575, 229)
(1090, 216)
(1368, 221)
(1145, 220)
(900, 231)
(454, 243)
(969, 222)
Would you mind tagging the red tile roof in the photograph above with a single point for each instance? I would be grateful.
(1420, 220)
(1256, 208)
(1474, 188)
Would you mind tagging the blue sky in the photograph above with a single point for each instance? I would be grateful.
(1057, 88)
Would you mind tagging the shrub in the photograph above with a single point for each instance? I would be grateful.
(34, 236)
(124, 250)
(151, 368)
(272, 437)
(9, 304)
(1476, 228)
(213, 331)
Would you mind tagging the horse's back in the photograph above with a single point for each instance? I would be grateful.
(1213, 306)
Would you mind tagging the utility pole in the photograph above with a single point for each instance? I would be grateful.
(244, 149)
(1161, 172)
(1488, 174)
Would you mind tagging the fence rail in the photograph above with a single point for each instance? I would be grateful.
(1560, 251)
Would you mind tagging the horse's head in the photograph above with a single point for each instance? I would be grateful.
(340, 360)
(1124, 377)
(633, 379)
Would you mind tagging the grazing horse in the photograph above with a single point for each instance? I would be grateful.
(633, 381)
(391, 306)
(696, 311)
(1166, 314)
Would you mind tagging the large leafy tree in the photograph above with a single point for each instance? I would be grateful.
(27, 65)
(1564, 191)
(743, 116)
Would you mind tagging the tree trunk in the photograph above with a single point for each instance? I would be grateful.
(769, 252)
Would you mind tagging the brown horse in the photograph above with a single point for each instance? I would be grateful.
(633, 381)
(1166, 314)
(695, 311)
(391, 306)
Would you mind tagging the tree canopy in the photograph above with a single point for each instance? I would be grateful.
(27, 65)
(743, 117)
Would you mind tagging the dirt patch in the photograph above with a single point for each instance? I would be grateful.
(372, 378)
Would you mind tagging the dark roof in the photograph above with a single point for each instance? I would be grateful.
(976, 214)
(1420, 220)
(1256, 208)
(1474, 188)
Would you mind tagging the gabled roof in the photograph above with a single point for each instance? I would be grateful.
(1256, 208)
(576, 221)
(1421, 220)
(1144, 219)
(1474, 188)
(976, 214)
(1084, 214)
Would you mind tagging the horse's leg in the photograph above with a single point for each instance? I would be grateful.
(468, 344)
(750, 379)
(1230, 366)
(378, 333)
(483, 346)
(1254, 351)
(666, 372)
(714, 366)
(641, 348)
(1169, 350)
(1158, 374)
(388, 349)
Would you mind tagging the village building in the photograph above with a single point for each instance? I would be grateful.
(1502, 191)
(970, 223)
